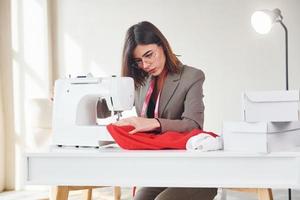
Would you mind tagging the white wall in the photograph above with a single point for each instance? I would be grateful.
(213, 35)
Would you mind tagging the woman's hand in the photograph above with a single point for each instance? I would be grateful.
(139, 123)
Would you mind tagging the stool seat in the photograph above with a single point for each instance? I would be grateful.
(62, 192)
(262, 193)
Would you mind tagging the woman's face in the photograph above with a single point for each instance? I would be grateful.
(150, 58)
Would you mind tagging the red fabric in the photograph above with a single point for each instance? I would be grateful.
(151, 141)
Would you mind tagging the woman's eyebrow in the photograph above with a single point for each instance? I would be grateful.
(146, 52)
(143, 54)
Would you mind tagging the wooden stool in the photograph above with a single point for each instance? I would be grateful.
(62, 192)
(262, 193)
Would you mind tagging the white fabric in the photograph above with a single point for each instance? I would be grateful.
(204, 142)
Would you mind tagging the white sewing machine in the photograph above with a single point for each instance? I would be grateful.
(75, 108)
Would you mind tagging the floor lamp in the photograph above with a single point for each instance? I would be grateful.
(262, 21)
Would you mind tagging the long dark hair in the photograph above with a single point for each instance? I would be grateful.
(144, 33)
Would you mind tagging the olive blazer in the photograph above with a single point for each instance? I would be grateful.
(181, 105)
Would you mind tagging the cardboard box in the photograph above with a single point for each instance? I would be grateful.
(261, 136)
(271, 106)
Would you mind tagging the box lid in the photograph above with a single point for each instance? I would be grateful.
(260, 127)
(272, 96)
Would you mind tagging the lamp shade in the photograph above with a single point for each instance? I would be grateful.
(263, 20)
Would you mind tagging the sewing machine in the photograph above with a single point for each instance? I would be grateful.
(75, 108)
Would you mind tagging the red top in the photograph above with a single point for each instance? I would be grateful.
(151, 141)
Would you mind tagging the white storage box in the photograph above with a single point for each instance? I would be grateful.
(261, 136)
(271, 106)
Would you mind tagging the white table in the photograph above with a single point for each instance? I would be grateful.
(169, 168)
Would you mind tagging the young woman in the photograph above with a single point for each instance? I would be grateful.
(168, 97)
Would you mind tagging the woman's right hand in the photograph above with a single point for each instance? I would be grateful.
(140, 124)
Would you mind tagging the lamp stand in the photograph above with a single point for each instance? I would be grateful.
(286, 56)
(286, 76)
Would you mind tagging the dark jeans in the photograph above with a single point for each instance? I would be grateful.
(159, 193)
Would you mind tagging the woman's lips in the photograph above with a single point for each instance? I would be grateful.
(151, 71)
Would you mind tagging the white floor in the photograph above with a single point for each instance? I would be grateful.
(107, 194)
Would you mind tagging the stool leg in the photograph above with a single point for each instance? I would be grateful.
(60, 193)
(265, 194)
(88, 194)
(117, 192)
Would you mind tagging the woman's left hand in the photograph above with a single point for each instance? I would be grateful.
(139, 123)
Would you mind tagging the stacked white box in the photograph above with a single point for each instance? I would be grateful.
(270, 123)
(261, 136)
(270, 106)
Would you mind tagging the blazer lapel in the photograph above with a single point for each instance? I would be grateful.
(170, 85)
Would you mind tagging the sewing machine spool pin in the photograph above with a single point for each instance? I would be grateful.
(119, 115)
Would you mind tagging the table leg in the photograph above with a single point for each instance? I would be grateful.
(88, 194)
(265, 194)
(60, 193)
(117, 192)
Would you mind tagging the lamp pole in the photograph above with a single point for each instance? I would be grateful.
(286, 75)
(286, 55)
(286, 66)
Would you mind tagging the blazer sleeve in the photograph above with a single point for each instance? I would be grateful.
(193, 114)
